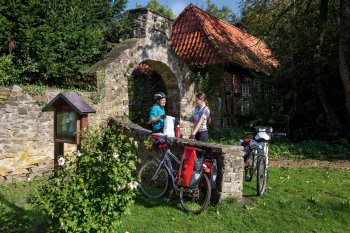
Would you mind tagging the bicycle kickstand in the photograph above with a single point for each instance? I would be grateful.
(167, 199)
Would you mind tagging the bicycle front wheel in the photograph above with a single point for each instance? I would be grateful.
(196, 200)
(154, 180)
(261, 175)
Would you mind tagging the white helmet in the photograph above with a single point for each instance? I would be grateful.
(159, 95)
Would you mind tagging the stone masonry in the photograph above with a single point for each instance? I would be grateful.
(26, 144)
(26, 134)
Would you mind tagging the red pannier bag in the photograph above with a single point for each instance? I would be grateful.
(189, 167)
(211, 170)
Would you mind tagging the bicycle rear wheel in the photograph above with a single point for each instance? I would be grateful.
(196, 200)
(261, 175)
(154, 180)
(249, 165)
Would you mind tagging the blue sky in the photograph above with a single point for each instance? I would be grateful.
(178, 5)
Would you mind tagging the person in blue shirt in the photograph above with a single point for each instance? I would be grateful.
(157, 113)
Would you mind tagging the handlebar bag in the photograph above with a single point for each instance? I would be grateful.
(158, 142)
(262, 133)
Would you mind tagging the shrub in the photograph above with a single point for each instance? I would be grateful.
(227, 136)
(313, 149)
(7, 71)
(92, 190)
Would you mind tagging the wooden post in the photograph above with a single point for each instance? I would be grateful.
(59, 151)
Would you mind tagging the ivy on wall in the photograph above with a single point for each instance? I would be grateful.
(211, 82)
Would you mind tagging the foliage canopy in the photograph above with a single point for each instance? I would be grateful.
(161, 9)
(307, 82)
(54, 42)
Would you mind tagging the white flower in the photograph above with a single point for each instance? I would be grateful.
(115, 155)
(132, 185)
(78, 154)
(121, 187)
(61, 161)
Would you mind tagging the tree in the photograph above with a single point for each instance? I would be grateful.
(344, 52)
(304, 37)
(55, 41)
(225, 13)
(161, 9)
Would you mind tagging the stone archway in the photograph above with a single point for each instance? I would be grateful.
(152, 48)
(172, 87)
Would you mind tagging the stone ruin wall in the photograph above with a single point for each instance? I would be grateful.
(26, 141)
(26, 134)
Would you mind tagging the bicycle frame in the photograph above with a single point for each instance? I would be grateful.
(155, 176)
(166, 162)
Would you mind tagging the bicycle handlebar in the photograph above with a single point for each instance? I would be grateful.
(273, 134)
(280, 134)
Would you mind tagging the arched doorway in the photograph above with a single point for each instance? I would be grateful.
(146, 79)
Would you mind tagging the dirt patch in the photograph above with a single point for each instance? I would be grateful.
(309, 163)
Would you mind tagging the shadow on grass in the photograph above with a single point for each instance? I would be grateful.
(15, 219)
(162, 201)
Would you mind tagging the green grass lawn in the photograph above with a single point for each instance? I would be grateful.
(16, 214)
(297, 200)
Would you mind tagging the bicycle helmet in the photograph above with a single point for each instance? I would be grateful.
(159, 95)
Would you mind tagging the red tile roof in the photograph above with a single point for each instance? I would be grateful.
(205, 40)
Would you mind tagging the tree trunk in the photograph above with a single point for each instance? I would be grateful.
(319, 72)
(344, 52)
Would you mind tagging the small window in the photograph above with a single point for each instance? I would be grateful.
(245, 99)
(66, 126)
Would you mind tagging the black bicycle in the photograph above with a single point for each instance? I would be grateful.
(157, 176)
(256, 156)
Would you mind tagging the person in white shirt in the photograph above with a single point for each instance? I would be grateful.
(200, 117)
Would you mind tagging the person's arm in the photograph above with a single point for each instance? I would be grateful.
(154, 117)
(197, 126)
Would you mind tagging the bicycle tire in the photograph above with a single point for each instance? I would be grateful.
(249, 166)
(196, 200)
(153, 188)
(261, 175)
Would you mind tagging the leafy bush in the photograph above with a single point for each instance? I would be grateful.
(226, 136)
(313, 149)
(92, 191)
(8, 72)
(55, 42)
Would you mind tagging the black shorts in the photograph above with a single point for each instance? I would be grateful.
(202, 136)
